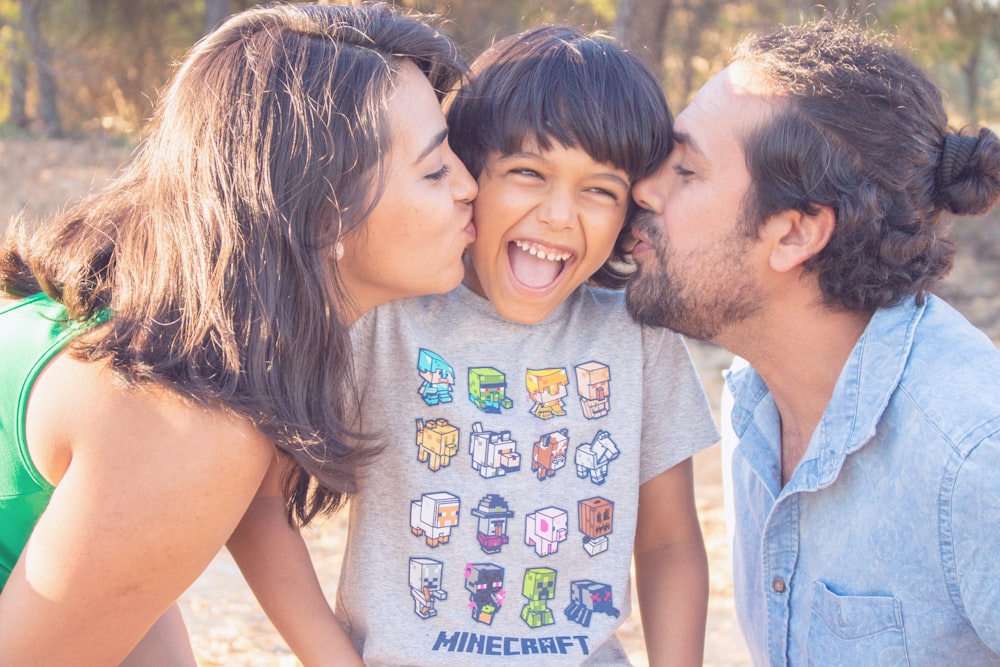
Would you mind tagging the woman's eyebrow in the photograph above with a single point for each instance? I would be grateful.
(433, 144)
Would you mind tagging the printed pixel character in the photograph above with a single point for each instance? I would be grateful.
(544, 529)
(587, 598)
(549, 453)
(539, 587)
(484, 581)
(488, 389)
(547, 388)
(493, 453)
(426, 585)
(493, 513)
(437, 442)
(592, 458)
(593, 384)
(596, 523)
(434, 515)
(438, 377)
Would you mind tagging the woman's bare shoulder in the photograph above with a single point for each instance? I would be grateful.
(83, 408)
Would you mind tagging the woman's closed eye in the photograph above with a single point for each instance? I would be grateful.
(440, 174)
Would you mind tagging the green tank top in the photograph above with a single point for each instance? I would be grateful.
(32, 331)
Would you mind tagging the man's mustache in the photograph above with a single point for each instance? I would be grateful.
(645, 223)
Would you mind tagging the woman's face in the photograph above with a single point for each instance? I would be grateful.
(412, 242)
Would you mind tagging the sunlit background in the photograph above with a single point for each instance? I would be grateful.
(94, 66)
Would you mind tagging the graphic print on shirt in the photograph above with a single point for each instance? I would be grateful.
(488, 390)
(426, 585)
(438, 377)
(539, 587)
(491, 531)
(549, 453)
(547, 389)
(494, 453)
(545, 528)
(593, 458)
(484, 581)
(596, 523)
(437, 442)
(593, 385)
(433, 515)
(587, 598)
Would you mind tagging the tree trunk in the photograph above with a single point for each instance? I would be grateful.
(13, 45)
(18, 115)
(970, 72)
(41, 56)
(641, 26)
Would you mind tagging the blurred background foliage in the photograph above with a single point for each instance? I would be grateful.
(84, 67)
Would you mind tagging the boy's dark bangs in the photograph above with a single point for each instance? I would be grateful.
(565, 101)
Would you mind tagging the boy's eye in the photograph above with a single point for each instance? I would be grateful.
(526, 172)
(605, 192)
(440, 174)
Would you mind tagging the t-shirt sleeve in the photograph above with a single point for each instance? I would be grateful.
(677, 420)
(364, 341)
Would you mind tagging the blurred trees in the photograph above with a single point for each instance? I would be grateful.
(96, 65)
(958, 41)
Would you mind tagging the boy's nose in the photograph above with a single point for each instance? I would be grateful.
(557, 210)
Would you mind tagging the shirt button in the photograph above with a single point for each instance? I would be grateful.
(778, 585)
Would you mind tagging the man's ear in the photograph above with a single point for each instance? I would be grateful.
(795, 237)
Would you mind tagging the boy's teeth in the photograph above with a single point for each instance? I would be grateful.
(542, 252)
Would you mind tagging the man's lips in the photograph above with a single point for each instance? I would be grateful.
(640, 244)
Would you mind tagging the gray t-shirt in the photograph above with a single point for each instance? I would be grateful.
(497, 524)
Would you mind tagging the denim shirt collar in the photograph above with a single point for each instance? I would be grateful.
(866, 383)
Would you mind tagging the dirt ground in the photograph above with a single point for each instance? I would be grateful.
(227, 625)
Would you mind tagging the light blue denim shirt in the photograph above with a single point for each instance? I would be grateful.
(884, 546)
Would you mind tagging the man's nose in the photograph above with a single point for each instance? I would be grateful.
(650, 192)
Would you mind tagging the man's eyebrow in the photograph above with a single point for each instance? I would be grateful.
(432, 145)
(684, 139)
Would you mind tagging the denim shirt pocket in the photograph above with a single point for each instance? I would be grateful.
(861, 630)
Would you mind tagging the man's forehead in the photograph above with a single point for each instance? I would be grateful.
(728, 106)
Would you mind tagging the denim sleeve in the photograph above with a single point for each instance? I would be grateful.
(973, 519)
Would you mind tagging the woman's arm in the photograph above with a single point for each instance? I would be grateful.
(148, 488)
(166, 643)
(671, 569)
(275, 562)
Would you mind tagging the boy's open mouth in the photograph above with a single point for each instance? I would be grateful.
(535, 265)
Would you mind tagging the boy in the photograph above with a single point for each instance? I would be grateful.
(500, 525)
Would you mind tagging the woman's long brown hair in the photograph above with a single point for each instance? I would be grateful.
(213, 249)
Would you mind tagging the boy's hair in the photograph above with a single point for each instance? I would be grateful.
(559, 84)
(860, 128)
(214, 248)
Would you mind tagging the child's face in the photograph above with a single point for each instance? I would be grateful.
(545, 222)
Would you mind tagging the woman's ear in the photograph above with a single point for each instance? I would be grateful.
(796, 237)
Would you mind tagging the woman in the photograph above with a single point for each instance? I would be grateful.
(167, 338)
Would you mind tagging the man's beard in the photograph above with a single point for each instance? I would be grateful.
(717, 290)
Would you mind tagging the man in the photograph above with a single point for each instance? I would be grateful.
(798, 225)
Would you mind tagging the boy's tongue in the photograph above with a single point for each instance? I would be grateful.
(530, 270)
